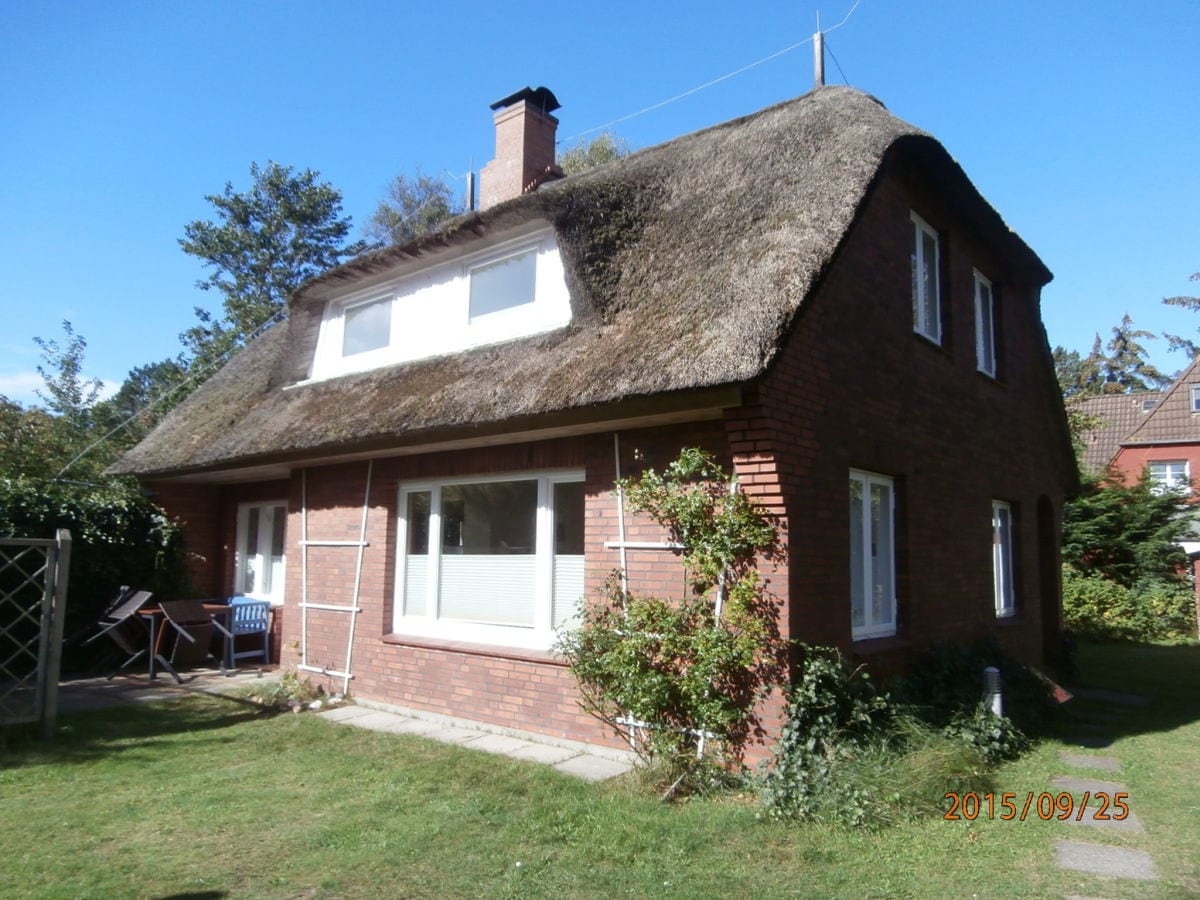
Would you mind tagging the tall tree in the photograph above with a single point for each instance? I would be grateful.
(148, 393)
(584, 155)
(265, 242)
(1127, 368)
(410, 208)
(1177, 342)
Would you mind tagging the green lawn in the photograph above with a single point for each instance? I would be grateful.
(209, 798)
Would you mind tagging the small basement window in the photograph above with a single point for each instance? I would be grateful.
(503, 283)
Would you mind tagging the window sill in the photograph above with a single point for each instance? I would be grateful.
(471, 648)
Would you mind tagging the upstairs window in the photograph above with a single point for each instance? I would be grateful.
(926, 287)
(1170, 476)
(1002, 559)
(503, 283)
(872, 556)
(1195, 393)
(367, 326)
(436, 307)
(985, 329)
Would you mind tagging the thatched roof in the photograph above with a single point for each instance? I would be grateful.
(686, 263)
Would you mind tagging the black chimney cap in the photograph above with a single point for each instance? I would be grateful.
(543, 98)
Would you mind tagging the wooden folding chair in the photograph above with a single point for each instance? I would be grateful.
(189, 627)
(124, 627)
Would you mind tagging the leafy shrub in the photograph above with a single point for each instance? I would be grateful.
(943, 686)
(118, 537)
(1099, 608)
(848, 756)
(681, 677)
(995, 738)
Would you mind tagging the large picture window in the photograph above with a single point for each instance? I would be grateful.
(926, 285)
(872, 556)
(1002, 559)
(260, 556)
(491, 559)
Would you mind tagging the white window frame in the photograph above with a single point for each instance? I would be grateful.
(528, 249)
(1174, 476)
(1003, 544)
(242, 559)
(431, 309)
(985, 325)
(886, 625)
(348, 308)
(1195, 398)
(922, 268)
(539, 636)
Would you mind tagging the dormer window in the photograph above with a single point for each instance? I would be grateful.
(501, 292)
(503, 283)
(1195, 393)
(367, 326)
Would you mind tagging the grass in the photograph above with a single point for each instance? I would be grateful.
(206, 797)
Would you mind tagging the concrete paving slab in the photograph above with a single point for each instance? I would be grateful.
(1105, 763)
(344, 713)
(499, 743)
(1119, 698)
(390, 724)
(592, 768)
(1101, 859)
(1131, 823)
(543, 753)
(452, 734)
(1090, 741)
(1080, 785)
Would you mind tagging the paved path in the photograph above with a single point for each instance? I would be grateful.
(585, 761)
(1094, 856)
(581, 760)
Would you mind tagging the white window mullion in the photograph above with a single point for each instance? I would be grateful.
(433, 578)
(544, 582)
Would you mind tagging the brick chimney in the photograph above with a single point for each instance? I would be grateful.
(524, 146)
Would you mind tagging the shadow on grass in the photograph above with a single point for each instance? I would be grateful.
(131, 728)
(1156, 688)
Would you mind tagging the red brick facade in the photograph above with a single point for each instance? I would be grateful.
(852, 388)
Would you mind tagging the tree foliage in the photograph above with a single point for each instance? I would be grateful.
(1124, 368)
(584, 155)
(118, 538)
(412, 207)
(265, 242)
(683, 676)
(1176, 342)
(1126, 533)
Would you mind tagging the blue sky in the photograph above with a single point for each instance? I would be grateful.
(1077, 120)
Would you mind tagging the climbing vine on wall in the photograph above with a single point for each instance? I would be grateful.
(682, 677)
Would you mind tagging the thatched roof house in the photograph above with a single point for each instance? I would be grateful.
(815, 293)
(686, 264)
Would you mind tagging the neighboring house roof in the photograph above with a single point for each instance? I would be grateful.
(1172, 420)
(685, 262)
(1116, 417)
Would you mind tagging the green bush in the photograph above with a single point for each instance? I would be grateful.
(943, 686)
(681, 677)
(1098, 608)
(118, 537)
(848, 756)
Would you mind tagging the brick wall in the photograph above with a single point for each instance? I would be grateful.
(856, 388)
